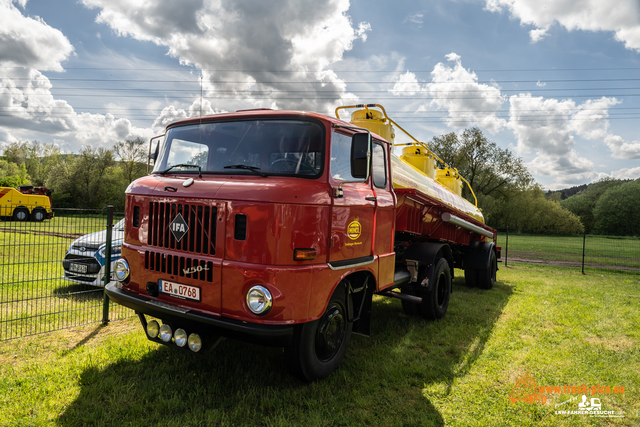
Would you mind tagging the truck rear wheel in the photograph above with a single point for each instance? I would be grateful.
(20, 214)
(38, 215)
(318, 347)
(487, 277)
(436, 300)
(471, 277)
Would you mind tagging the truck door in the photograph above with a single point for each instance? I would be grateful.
(352, 216)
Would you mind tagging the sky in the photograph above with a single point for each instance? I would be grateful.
(555, 81)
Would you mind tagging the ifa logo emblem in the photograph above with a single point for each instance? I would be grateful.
(178, 227)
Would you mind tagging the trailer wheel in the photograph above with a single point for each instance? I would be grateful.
(38, 215)
(487, 277)
(318, 347)
(20, 214)
(436, 301)
(471, 277)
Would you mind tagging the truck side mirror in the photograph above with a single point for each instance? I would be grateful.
(360, 155)
(153, 151)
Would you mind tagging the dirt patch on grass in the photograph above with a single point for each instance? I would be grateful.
(575, 264)
(43, 233)
(613, 344)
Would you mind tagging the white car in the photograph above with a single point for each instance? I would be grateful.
(85, 258)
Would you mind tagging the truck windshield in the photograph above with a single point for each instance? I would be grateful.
(269, 147)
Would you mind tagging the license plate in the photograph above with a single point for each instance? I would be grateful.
(78, 268)
(178, 290)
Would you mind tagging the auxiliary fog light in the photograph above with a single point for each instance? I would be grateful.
(153, 329)
(166, 333)
(180, 337)
(195, 342)
(259, 300)
(121, 270)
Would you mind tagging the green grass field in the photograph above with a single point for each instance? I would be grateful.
(34, 296)
(599, 250)
(554, 324)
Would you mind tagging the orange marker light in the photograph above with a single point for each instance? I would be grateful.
(304, 254)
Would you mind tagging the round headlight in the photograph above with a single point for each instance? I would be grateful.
(259, 300)
(153, 329)
(195, 342)
(121, 270)
(180, 337)
(166, 333)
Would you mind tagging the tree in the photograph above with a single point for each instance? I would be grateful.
(490, 170)
(37, 157)
(133, 157)
(12, 175)
(531, 211)
(617, 211)
(583, 203)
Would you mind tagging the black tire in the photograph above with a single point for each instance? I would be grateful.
(471, 277)
(436, 301)
(38, 215)
(21, 214)
(487, 277)
(318, 347)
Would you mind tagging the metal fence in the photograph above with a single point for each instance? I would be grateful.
(580, 251)
(52, 274)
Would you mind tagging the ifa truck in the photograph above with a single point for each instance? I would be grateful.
(279, 227)
(26, 203)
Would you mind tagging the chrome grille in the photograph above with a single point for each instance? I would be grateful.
(176, 265)
(201, 220)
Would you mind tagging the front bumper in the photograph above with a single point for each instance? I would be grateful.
(270, 335)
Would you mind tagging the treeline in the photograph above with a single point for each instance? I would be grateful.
(609, 206)
(506, 191)
(92, 179)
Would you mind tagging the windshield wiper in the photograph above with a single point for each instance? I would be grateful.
(249, 168)
(183, 166)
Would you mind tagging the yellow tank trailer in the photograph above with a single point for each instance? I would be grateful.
(417, 167)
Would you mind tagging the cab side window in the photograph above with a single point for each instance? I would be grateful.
(341, 157)
(378, 166)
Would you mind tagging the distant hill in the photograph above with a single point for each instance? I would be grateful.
(571, 191)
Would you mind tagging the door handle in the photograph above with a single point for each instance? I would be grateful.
(371, 198)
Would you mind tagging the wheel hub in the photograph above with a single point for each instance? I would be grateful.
(330, 332)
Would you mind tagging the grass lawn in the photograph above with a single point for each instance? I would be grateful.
(600, 250)
(556, 325)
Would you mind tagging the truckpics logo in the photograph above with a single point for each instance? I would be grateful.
(178, 227)
(354, 230)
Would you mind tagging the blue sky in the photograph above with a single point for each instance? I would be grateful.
(555, 81)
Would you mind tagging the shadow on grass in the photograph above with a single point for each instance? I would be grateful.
(79, 292)
(380, 382)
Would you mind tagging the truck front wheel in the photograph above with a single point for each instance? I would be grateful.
(318, 347)
(436, 300)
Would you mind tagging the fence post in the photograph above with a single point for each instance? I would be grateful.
(506, 249)
(107, 266)
(584, 244)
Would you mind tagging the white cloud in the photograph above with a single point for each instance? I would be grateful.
(621, 17)
(415, 18)
(29, 107)
(626, 173)
(621, 149)
(457, 91)
(468, 102)
(30, 42)
(245, 46)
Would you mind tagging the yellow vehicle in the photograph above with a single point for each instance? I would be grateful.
(26, 202)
